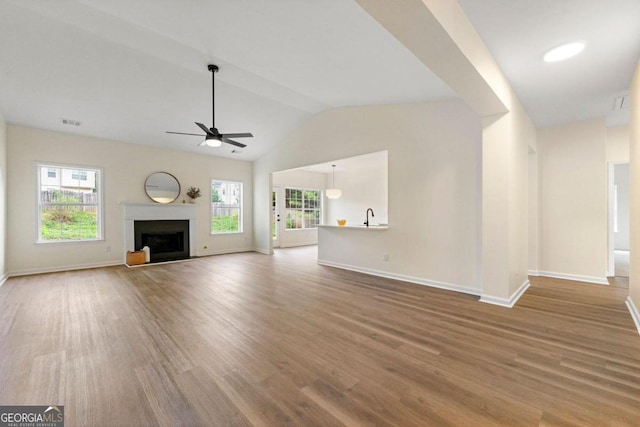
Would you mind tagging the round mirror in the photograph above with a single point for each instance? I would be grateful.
(162, 187)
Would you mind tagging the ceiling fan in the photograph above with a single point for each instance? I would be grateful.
(213, 138)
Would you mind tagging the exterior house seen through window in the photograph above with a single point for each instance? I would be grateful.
(79, 175)
(226, 207)
(302, 208)
(69, 204)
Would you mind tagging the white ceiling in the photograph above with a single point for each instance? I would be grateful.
(131, 70)
(519, 32)
(363, 162)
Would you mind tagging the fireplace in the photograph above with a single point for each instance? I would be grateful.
(168, 240)
(169, 214)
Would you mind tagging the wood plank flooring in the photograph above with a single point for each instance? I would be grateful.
(248, 339)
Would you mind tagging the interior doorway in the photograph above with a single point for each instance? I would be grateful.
(619, 220)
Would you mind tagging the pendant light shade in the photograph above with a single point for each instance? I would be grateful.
(333, 193)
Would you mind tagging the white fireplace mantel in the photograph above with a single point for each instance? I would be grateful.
(158, 211)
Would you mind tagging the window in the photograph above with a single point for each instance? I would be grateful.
(226, 207)
(302, 208)
(69, 207)
(79, 175)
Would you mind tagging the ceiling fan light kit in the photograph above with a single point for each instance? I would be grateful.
(213, 138)
(211, 142)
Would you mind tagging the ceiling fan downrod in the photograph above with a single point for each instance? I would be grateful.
(214, 69)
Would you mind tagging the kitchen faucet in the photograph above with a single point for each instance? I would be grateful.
(372, 215)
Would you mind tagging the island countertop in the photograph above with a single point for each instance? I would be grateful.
(357, 227)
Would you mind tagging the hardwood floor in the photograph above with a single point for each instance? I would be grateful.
(249, 339)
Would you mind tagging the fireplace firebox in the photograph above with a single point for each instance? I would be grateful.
(168, 240)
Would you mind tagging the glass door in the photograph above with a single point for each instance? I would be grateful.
(275, 216)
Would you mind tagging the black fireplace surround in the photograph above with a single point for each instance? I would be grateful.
(168, 240)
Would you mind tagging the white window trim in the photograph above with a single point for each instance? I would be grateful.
(101, 189)
(321, 209)
(241, 216)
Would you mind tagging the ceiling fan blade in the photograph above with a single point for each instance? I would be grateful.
(182, 133)
(238, 135)
(204, 128)
(236, 143)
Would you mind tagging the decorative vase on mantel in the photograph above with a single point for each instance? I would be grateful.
(193, 193)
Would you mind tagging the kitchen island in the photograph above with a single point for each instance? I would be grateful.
(354, 247)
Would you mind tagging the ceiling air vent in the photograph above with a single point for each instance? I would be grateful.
(621, 103)
(70, 122)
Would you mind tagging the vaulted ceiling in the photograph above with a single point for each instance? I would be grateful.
(130, 71)
(519, 32)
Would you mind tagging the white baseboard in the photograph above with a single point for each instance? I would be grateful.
(58, 269)
(634, 313)
(575, 277)
(151, 264)
(504, 302)
(3, 279)
(263, 251)
(533, 273)
(295, 245)
(402, 277)
(223, 252)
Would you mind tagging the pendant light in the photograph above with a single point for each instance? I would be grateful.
(333, 193)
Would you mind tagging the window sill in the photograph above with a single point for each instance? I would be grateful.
(68, 242)
(226, 233)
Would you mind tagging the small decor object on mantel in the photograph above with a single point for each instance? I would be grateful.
(193, 193)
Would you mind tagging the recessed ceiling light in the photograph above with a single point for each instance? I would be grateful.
(564, 51)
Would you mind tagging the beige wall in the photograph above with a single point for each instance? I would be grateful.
(621, 181)
(618, 144)
(363, 185)
(573, 201)
(125, 167)
(524, 136)
(634, 126)
(3, 199)
(434, 184)
(534, 213)
(297, 179)
(496, 143)
(505, 146)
